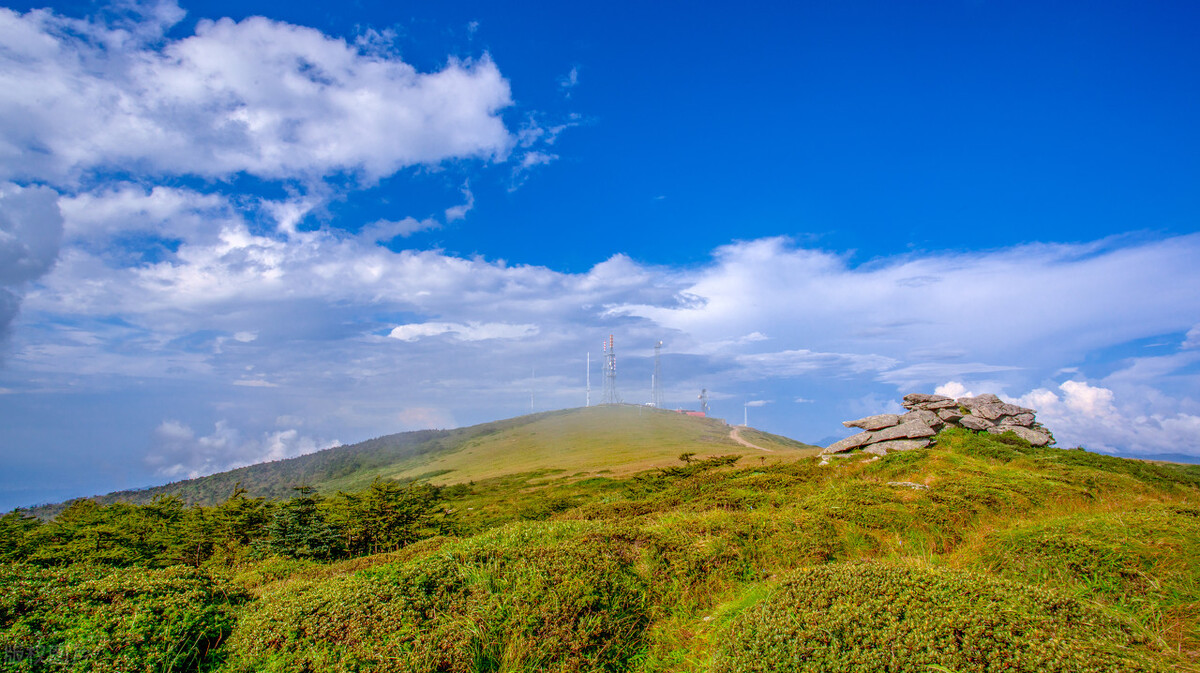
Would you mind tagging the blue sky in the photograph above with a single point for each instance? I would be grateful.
(232, 232)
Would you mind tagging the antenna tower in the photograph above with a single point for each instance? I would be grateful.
(656, 395)
(610, 373)
(704, 401)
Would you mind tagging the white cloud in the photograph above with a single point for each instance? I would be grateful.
(953, 389)
(179, 453)
(1027, 307)
(1192, 340)
(382, 231)
(255, 383)
(258, 96)
(569, 81)
(803, 361)
(455, 213)
(1089, 416)
(472, 331)
(758, 403)
(31, 228)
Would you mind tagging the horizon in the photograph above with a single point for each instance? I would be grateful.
(239, 233)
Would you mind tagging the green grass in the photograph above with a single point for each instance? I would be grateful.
(579, 548)
(866, 617)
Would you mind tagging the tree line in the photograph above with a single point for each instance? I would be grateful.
(167, 531)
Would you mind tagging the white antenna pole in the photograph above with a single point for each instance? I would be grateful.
(746, 415)
(589, 379)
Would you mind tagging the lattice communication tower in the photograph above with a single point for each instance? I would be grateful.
(610, 373)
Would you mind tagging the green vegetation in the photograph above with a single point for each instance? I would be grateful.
(874, 617)
(710, 556)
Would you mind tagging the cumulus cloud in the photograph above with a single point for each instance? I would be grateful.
(31, 228)
(1192, 340)
(472, 331)
(182, 454)
(1081, 414)
(257, 96)
(953, 389)
(758, 403)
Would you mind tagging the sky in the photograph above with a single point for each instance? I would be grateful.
(236, 232)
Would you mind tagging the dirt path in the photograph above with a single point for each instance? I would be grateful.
(733, 434)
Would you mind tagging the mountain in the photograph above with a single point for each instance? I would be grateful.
(617, 440)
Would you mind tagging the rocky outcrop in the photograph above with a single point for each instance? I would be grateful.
(929, 414)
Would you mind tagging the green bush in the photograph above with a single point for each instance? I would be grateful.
(85, 618)
(1142, 562)
(874, 617)
(554, 597)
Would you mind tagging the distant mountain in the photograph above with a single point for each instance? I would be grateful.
(605, 439)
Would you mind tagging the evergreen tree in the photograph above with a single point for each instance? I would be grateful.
(300, 528)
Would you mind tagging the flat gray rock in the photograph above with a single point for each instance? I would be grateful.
(1034, 437)
(918, 398)
(909, 430)
(988, 411)
(882, 448)
(927, 417)
(851, 442)
(975, 423)
(1020, 419)
(971, 402)
(875, 422)
(950, 415)
(934, 406)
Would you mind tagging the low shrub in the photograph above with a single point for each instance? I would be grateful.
(1142, 562)
(872, 617)
(85, 618)
(553, 597)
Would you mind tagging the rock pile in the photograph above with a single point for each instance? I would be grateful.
(930, 413)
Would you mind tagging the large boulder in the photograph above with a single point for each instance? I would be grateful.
(924, 416)
(975, 423)
(851, 442)
(1034, 436)
(882, 448)
(876, 422)
(929, 414)
(909, 430)
(913, 399)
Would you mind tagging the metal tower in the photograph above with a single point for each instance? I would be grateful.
(704, 401)
(656, 394)
(610, 373)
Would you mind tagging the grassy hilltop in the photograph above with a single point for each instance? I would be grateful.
(619, 439)
(580, 541)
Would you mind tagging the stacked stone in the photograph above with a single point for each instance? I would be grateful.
(930, 413)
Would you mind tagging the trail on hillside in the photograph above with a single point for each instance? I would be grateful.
(733, 434)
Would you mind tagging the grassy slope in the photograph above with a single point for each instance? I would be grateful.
(1012, 558)
(619, 440)
(1100, 542)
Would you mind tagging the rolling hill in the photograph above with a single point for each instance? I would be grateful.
(554, 544)
(617, 440)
